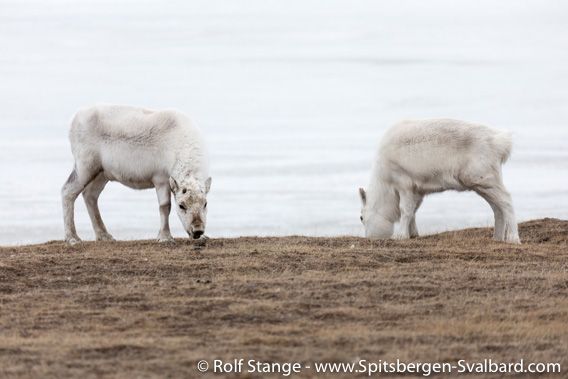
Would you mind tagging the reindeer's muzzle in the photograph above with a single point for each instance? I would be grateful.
(196, 231)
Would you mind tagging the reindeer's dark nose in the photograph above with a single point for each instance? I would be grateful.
(197, 234)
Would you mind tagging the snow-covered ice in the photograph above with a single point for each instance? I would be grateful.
(293, 97)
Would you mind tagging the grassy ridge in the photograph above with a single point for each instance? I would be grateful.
(142, 309)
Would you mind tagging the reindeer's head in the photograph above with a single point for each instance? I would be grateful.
(190, 196)
(376, 226)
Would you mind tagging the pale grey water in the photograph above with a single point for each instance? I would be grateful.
(292, 97)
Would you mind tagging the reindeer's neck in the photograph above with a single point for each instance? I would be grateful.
(190, 160)
(383, 200)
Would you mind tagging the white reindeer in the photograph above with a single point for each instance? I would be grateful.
(140, 149)
(419, 157)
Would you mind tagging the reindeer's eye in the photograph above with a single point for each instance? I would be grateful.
(184, 191)
(182, 207)
(205, 206)
(361, 218)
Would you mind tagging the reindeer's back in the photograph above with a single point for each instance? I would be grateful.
(115, 124)
(429, 148)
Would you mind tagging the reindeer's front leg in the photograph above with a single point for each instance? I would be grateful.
(409, 202)
(164, 199)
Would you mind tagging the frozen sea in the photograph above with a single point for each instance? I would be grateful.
(292, 96)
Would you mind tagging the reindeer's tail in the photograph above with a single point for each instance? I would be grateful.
(503, 144)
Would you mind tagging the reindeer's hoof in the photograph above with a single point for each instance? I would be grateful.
(105, 237)
(73, 240)
(166, 240)
(513, 240)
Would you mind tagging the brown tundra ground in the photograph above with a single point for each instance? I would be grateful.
(142, 309)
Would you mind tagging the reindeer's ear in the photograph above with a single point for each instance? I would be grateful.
(363, 196)
(208, 185)
(173, 185)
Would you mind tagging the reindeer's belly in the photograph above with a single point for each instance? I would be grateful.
(136, 167)
(129, 180)
(138, 176)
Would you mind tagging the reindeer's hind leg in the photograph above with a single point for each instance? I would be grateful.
(505, 223)
(488, 183)
(76, 183)
(506, 204)
(71, 189)
(91, 196)
(499, 231)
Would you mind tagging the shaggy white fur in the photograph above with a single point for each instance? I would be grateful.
(140, 149)
(419, 157)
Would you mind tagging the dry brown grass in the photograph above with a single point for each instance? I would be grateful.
(141, 309)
